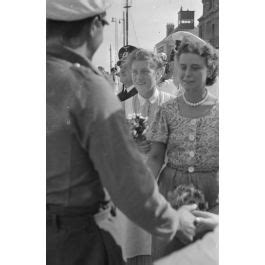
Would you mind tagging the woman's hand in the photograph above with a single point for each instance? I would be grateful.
(205, 220)
(187, 220)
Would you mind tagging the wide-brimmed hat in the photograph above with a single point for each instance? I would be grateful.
(124, 52)
(71, 10)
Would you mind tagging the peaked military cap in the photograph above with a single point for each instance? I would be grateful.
(124, 52)
(71, 10)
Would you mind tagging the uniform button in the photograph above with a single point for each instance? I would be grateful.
(191, 169)
(191, 137)
(191, 153)
(77, 64)
(193, 122)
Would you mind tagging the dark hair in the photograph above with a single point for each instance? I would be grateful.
(66, 29)
(205, 50)
(144, 55)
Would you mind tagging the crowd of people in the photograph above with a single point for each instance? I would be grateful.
(113, 198)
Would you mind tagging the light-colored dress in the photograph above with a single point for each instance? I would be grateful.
(192, 152)
(136, 241)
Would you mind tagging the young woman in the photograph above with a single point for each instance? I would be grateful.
(146, 69)
(185, 129)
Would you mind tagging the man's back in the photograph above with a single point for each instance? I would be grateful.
(71, 177)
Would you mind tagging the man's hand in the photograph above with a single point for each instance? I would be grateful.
(144, 146)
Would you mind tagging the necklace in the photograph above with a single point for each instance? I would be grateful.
(197, 103)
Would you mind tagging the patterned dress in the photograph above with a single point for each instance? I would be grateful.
(192, 152)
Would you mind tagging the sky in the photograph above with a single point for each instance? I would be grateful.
(147, 24)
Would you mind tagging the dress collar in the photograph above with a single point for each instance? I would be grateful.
(152, 99)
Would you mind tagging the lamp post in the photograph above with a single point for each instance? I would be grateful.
(122, 20)
(127, 5)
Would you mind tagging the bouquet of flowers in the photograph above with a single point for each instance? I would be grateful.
(138, 126)
(187, 194)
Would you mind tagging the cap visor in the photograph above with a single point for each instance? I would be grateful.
(105, 21)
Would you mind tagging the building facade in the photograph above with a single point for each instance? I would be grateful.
(209, 22)
(185, 23)
(185, 20)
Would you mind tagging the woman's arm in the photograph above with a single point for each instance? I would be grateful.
(156, 157)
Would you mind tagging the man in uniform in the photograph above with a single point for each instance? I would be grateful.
(89, 149)
(128, 90)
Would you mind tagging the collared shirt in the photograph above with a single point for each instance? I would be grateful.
(146, 107)
(89, 146)
(152, 99)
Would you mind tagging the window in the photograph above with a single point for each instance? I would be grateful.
(185, 21)
(160, 49)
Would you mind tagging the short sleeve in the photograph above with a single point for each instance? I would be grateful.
(158, 131)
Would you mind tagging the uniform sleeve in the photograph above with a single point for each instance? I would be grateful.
(119, 164)
(158, 131)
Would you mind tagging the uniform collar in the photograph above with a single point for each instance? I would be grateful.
(70, 55)
(152, 99)
(128, 89)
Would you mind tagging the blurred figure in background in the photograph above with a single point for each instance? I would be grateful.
(127, 89)
(166, 82)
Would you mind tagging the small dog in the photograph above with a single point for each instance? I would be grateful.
(185, 195)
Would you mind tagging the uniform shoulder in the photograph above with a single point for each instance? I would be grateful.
(91, 90)
(84, 72)
(90, 79)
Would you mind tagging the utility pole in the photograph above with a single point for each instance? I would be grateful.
(110, 52)
(123, 27)
(128, 4)
(114, 19)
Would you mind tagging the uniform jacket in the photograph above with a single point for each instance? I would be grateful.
(124, 94)
(89, 146)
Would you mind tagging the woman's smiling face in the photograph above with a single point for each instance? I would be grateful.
(144, 77)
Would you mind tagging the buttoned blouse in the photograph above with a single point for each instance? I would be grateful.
(147, 108)
(191, 143)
